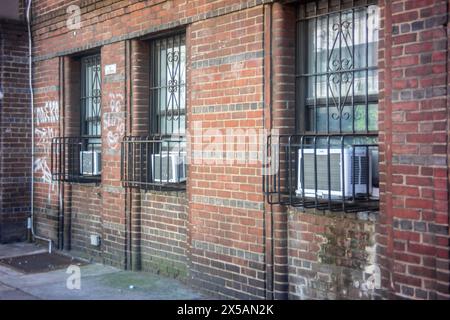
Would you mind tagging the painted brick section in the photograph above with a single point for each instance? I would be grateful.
(413, 235)
(331, 257)
(15, 133)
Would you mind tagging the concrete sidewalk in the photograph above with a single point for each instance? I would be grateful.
(97, 282)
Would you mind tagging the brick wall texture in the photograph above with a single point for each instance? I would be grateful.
(15, 131)
(220, 234)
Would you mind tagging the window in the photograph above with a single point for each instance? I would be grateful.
(158, 161)
(331, 163)
(78, 158)
(168, 86)
(337, 78)
(91, 100)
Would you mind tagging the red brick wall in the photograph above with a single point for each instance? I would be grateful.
(163, 238)
(226, 77)
(412, 236)
(15, 143)
(159, 219)
(240, 76)
(331, 256)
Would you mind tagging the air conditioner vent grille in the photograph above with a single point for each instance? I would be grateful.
(360, 166)
(322, 172)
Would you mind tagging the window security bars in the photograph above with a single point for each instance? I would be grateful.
(332, 161)
(335, 172)
(168, 86)
(91, 97)
(75, 159)
(78, 159)
(154, 163)
(158, 161)
(337, 77)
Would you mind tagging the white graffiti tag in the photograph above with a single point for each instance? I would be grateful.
(45, 136)
(40, 165)
(113, 122)
(48, 114)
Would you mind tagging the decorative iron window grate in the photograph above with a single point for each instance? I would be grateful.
(78, 159)
(159, 161)
(75, 159)
(168, 86)
(337, 77)
(151, 163)
(91, 97)
(330, 164)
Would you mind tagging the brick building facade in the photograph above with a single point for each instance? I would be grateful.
(238, 66)
(15, 131)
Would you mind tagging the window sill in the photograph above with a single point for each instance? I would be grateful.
(369, 216)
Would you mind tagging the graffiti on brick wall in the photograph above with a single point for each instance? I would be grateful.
(49, 113)
(113, 121)
(44, 138)
(41, 166)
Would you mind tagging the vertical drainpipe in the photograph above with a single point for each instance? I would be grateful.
(128, 199)
(30, 82)
(267, 124)
(60, 185)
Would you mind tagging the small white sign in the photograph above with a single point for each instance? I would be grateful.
(110, 69)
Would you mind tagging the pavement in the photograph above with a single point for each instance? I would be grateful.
(96, 281)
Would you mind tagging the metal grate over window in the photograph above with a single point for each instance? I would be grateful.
(331, 163)
(168, 86)
(78, 159)
(158, 161)
(337, 76)
(90, 97)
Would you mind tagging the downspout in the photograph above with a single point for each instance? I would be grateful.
(267, 101)
(30, 79)
(272, 233)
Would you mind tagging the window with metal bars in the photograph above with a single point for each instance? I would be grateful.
(168, 86)
(331, 163)
(91, 98)
(78, 159)
(158, 161)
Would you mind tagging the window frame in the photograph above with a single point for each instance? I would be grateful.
(66, 150)
(139, 169)
(301, 74)
(95, 61)
(154, 128)
(291, 183)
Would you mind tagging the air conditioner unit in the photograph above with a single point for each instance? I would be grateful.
(357, 170)
(169, 167)
(90, 163)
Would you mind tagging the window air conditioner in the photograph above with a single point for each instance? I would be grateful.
(90, 163)
(358, 170)
(169, 167)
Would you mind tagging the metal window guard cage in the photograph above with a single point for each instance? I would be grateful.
(334, 172)
(76, 159)
(154, 162)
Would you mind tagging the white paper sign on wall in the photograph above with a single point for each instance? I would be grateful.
(110, 69)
